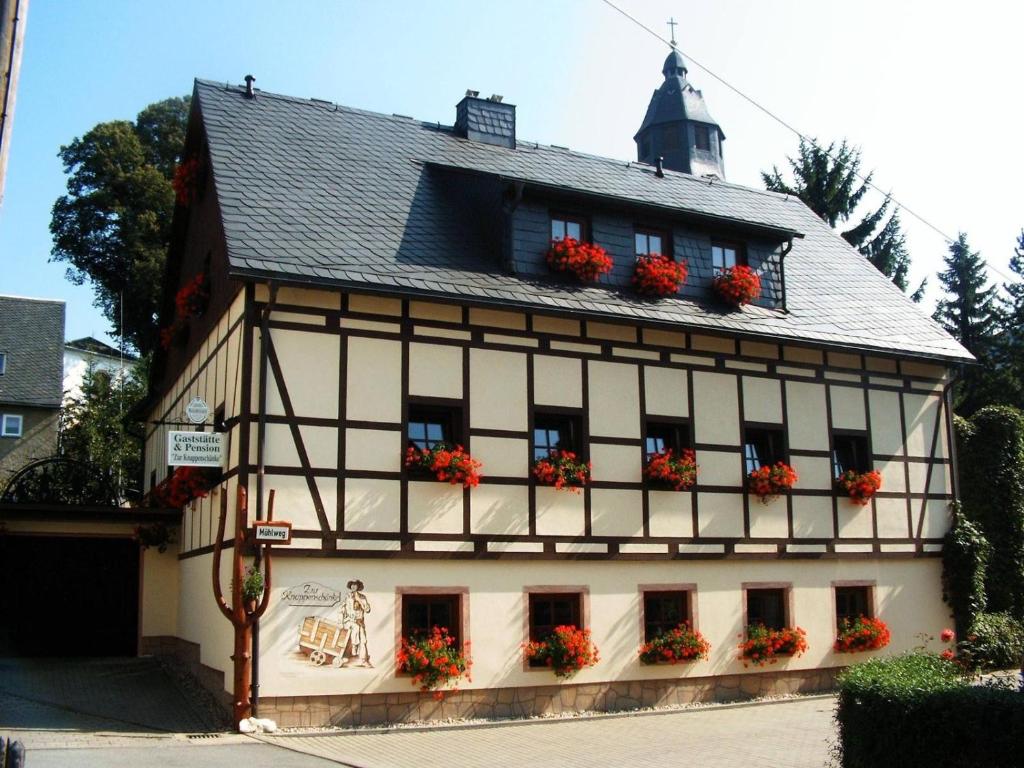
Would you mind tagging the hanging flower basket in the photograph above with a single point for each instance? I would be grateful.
(861, 634)
(567, 650)
(190, 301)
(679, 645)
(737, 285)
(434, 662)
(668, 470)
(860, 486)
(657, 275)
(154, 535)
(768, 482)
(764, 646)
(185, 181)
(563, 470)
(452, 465)
(584, 260)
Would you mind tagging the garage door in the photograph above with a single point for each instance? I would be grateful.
(64, 596)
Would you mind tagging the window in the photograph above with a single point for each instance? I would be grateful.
(702, 137)
(11, 425)
(852, 602)
(664, 611)
(430, 426)
(767, 607)
(670, 138)
(553, 432)
(762, 447)
(660, 437)
(421, 613)
(553, 609)
(850, 452)
(725, 255)
(647, 241)
(3, 363)
(567, 226)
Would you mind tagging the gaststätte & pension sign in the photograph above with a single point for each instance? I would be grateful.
(195, 449)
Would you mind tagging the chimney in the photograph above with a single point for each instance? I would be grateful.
(490, 120)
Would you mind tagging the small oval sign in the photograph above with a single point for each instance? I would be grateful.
(197, 410)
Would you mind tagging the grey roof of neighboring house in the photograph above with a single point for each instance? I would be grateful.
(93, 346)
(32, 335)
(312, 191)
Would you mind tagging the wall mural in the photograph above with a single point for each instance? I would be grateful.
(339, 640)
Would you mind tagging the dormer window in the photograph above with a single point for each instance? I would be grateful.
(563, 226)
(648, 241)
(702, 137)
(726, 255)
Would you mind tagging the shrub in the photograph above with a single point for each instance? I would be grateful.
(994, 641)
(566, 650)
(917, 709)
(675, 646)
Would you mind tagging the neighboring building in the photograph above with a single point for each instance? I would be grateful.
(31, 344)
(371, 281)
(87, 353)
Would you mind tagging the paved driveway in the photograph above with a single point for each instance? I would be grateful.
(786, 734)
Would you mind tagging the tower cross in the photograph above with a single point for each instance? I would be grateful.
(672, 24)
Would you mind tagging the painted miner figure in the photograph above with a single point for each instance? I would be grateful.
(353, 611)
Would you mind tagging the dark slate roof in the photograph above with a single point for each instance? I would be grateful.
(32, 335)
(676, 99)
(312, 191)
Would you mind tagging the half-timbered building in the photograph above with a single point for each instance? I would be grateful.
(372, 282)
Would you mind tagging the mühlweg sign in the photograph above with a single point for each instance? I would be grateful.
(195, 449)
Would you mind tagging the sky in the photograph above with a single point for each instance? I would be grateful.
(929, 90)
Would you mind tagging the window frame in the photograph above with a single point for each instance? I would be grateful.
(785, 587)
(702, 129)
(3, 363)
(460, 593)
(577, 433)
(12, 418)
(690, 612)
(575, 218)
(777, 430)
(869, 596)
(451, 410)
(648, 232)
(860, 436)
(736, 246)
(681, 436)
(581, 592)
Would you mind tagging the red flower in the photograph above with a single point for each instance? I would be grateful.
(453, 465)
(860, 486)
(562, 469)
(675, 646)
(657, 275)
(737, 285)
(948, 655)
(585, 260)
(190, 301)
(184, 485)
(764, 646)
(947, 635)
(566, 650)
(677, 472)
(861, 634)
(433, 661)
(769, 481)
(184, 182)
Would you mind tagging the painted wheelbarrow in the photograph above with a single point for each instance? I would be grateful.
(323, 641)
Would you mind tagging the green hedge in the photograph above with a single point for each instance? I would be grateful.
(994, 641)
(917, 710)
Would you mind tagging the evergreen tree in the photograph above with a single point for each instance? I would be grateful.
(832, 188)
(1011, 338)
(113, 227)
(970, 313)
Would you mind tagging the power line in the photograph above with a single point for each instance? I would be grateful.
(797, 132)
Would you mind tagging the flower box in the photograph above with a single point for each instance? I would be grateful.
(584, 260)
(861, 634)
(679, 645)
(768, 482)
(185, 181)
(563, 471)
(764, 646)
(185, 485)
(737, 285)
(657, 275)
(190, 301)
(566, 651)
(447, 464)
(671, 471)
(434, 662)
(859, 486)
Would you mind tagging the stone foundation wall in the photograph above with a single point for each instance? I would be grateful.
(187, 654)
(373, 709)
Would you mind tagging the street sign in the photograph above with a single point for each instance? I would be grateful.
(195, 449)
(277, 532)
(197, 410)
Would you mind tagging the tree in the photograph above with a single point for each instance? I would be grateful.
(113, 226)
(970, 313)
(829, 183)
(1011, 338)
(97, 427)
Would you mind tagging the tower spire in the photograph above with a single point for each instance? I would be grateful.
(672, 25)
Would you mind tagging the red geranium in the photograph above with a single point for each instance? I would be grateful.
(769, 481)
(657, 275)
(566, 650)
(185, 180)
(677, 472)
(190, 301)
(184, 485)
(434, 661)
(861, 634)
(675, 646)
(860, 486)
(764, 646)
(738, 285)
(585, 260)
(562, 469)
(453, 465)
